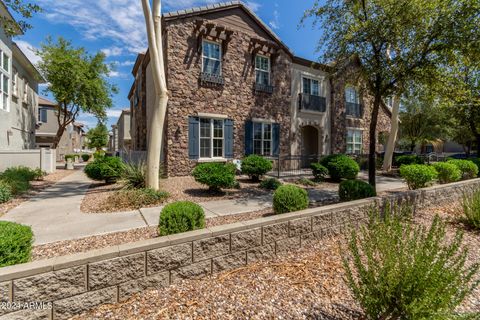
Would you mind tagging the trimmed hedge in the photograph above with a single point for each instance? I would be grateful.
(255, 166)
(181, 217)
(418, 175)
(270, 184)
(350, 190)
(408, 160)
(5, 192)
(289, 198)
(319, 171)
(215, 175)
(468, 169)
(447, 172)
(107, 169)
(15, 243)
(340, 167)
(85, 157)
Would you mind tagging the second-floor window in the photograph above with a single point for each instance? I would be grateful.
(262, 70)
(5, 81)
(352, 99)
(212, 58)
(311, 87)
(25, 90)
(42, 115)
(15, 82)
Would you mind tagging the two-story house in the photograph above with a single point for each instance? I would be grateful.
(19, 80)
(237, 89)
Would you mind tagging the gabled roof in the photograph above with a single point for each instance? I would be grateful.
(226, 6)
(45, 102)
(23, 59)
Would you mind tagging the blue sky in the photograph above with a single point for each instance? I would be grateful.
(117, 28)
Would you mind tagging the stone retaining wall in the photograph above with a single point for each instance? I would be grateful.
(72, 284)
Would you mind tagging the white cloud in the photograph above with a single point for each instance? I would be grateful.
(117, 74)
(126, 63)
(113, 51)
(29, 51)
(255, 6)
(112, 113)
(275, 22)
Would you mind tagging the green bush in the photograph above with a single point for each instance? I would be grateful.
(5, 192)
(397, 269)
(319, 172)
(306, 182)
(408, 160)
(137, 198)
(289, 198)
(471, 209)
(99, 154)
(215, 175)
(17, 187)
(85, 157)
(134, 175)
(418, 175)
(447, 172)
(270, 184)
(340, 167)
(15, 243)
(39, 174)
(19, 173)
(107, 169)
(181, 217)
(477, 162)
(350, 190)
(255, 166)
(70, 156)
(468, 169)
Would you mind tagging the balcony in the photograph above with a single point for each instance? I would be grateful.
(211, 79)
(309, 102)
(354, 109)
(265, 88)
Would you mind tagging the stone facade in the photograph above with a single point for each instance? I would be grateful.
(67, 286)
(138, 105)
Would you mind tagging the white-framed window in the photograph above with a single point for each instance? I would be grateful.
(354, 141)
(42, 115)
(4, 81)
(352, 99)
(262, 70)
(15, 82)
(211, 57)
(211, 138)
(25, 90)
(310, 86)
(262, 138)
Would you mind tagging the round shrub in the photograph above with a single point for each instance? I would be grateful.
(99, 154)
(477, 162)
(85, 157)
(215, 175)
(19, 173)
(447, 172)
(289, 198)
(319, 172)
(108, 169)
(418, 175)
(270, 184)
(468, 169)
(181, 217)
(70, 156)
(5, 192)
(350, 190)
(340, 167)
(408, 160)
(15, 243)
(255, 166)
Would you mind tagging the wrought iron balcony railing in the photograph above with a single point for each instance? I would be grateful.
(211, 79)
(310, 102)
(354, 109)
(264, 88)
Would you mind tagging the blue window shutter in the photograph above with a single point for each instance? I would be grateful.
(193, 138)
(248, 138)
(228, 138)
(276, 139)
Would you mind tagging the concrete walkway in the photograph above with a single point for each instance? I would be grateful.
(54, 214)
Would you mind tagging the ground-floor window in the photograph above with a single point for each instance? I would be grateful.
(210, 138)
(262, 139)
(354, 141)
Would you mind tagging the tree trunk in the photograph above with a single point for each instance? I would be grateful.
(412, 146)
(158, 110)
(58, 136)
(392, 138)
(373, 143)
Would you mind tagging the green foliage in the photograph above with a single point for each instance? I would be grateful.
(97, 137)
(477, 162)
(306, 182)
(137, 198)
(85, 157)
(270, 184)
(468, 169)
(99, 154)
(471, 209)
(447, 172)
(5, 192)
(408, 160)
(181, 217)
(134, 175)
(70, 156)
(18, 178)
(350, 190)
(215, 175)
(38, 174)
(255, 166)
(15, 243)
(319, 172)
(108, 169)
(340, 167)
(24, 9)
(418, 175)
(289, 198)
(397, 269)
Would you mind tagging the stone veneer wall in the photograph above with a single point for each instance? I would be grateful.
(235, 99)
(77, 283)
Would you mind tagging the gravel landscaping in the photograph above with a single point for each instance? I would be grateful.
(37, 186)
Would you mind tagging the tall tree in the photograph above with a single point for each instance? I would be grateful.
(24, 9)
(158, 111)
(98, 137)
(77, 80)
(395, 40)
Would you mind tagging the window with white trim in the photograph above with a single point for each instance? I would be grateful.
(352, 99)
(25, 90)
(42, 115)
(262, 138)
(354, 141)
(211, 138)
(262, 70)
(15, 82)
(311, 86)
(211, 58)
(5, 81)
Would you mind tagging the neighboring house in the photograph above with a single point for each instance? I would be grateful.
(236, 89)
(113, 139)
(19, 81)
(124, 140)
(73, 138)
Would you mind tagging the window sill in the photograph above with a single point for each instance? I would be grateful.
(312, 112)
(203, 160)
